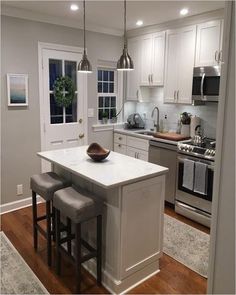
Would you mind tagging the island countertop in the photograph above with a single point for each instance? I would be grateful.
(114, 171)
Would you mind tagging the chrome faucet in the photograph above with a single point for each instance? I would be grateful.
(156, 125)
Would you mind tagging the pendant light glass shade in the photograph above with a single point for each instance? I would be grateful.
(84, 65)
(125, 62)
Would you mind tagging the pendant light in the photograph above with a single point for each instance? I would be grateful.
(125, 62)
(84, 65)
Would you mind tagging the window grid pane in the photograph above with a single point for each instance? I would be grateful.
(107, 97)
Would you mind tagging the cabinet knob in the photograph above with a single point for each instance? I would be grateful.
(81, 135)
(119, 145)
(80, 121)
(120, 138)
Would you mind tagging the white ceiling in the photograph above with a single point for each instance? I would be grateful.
(106, 16)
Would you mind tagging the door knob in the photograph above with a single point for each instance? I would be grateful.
(81, 135)
(80, 121)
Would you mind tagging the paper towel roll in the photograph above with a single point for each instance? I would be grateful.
(194, 122)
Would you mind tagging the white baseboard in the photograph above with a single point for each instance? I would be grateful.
(12, 206)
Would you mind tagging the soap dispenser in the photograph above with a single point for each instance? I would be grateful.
(166, 125)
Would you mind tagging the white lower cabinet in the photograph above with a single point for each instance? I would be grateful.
(131, 146)
(141, 202)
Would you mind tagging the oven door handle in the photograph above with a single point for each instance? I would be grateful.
(211, 167)
(202, 84)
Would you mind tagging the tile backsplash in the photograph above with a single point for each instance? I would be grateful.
(207, 113)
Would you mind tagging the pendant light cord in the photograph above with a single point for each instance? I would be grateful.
(125, 38)
(84, 30)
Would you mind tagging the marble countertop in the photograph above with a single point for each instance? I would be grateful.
(135, 133)
(116, 170)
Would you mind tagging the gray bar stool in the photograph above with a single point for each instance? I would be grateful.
(78, 208)
(45, 185)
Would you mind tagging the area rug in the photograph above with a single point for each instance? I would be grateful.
(186, 244)
(16, 275)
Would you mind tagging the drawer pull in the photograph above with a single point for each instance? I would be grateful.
(120, 138)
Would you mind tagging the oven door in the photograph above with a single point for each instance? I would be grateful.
(189, 197)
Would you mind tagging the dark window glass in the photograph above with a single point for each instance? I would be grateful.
(99, 87)
(107, 102)
(100, 114)
(71, 111)
(55, 71)
(56, 112)
(111, 76)
(113, 101)
(105, 87)
(99, 75)
(111, 87)
(105, 75)
(100, 102)
(71, 71)
(112, 112)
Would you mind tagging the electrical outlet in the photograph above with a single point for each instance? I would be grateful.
(90, 113)
(19, 189)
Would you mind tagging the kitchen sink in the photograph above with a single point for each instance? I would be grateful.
(145, 132)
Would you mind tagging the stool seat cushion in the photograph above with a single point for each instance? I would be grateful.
(75, 205)
(46, 184)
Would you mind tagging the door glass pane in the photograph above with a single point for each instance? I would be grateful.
(55, 71)
(71, 111)
(56, 112)
(70, 71)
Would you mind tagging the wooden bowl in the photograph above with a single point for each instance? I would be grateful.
(97, 153)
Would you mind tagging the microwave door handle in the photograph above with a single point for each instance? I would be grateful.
(202, 83)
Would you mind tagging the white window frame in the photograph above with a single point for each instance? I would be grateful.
(118, 88)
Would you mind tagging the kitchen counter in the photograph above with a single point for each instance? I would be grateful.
(133, 193)
(135, 133)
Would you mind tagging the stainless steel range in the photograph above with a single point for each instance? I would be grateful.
(195, 174)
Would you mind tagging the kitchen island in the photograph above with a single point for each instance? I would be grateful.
(133, 194)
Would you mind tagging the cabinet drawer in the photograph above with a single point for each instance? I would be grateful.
(120, 148)
(138, 143)
(120, 138)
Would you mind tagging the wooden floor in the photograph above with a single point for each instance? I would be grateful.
(173, 277)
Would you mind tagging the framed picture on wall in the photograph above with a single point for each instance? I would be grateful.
(17, 90)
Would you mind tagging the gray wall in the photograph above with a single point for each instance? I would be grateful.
(222, 278)
(21, 126)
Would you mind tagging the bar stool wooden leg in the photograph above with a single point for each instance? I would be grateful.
(35, 231)
(99, 249)
(58, 236)
(53, 224)
(49, 242)
(78, 256)
(68, 224)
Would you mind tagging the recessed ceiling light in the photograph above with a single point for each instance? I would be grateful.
(139, 23)
(74, 7)
(184, 11)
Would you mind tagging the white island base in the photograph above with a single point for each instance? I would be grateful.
(132, 221)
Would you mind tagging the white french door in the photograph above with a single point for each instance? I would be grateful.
(63, 127)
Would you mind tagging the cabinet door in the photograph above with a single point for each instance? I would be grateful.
(208, 43)
(133, 77)
(158, 59)
(171, 66)
(187, 43)
(146, 59)
(141, 224)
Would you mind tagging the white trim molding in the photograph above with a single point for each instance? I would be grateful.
(16, 205)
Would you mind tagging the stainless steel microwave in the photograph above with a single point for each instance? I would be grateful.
(206, 83)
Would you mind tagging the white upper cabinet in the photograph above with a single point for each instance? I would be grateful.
(133, 77)
(152, 59)
(180, 52)
(209, 43)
